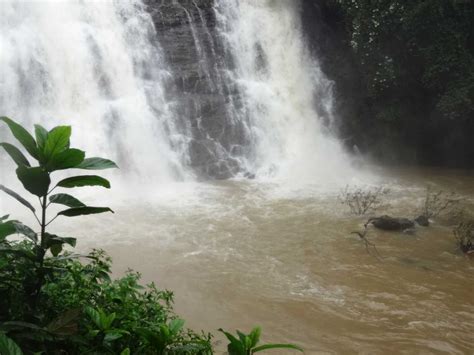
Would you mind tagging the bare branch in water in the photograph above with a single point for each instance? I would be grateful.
(437, 202)
(367, 243)
(361, 201)
(464, 234)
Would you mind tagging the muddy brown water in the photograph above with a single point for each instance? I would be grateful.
(242, 253)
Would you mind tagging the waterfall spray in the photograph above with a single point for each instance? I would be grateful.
(286, 97)
(96, 66)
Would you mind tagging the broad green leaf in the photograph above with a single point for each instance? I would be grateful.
(69, 158)
(22, 136)
(93, 315)
(15, 154)
(229, 336)
(244, 339)
(35, 180)
(8, 346)
(165, 332)
(17, 197)
(176, 325)
(84, 180)
(65, 324)
(56, 249)
(6, 229)
(52, 239)
(97, 164)
(255, 336)
(66, 200)
(125, 352)
(277, 346)
(112, 335)
(93, 333)
(235, 345)
(106, 320)
(19, 252)
(236, 349)
(57, 141)
(25, 230)
(79, 211)
(68, 240)
(41, 134)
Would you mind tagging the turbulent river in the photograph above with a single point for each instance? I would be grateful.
(223, 125)
(239, 253)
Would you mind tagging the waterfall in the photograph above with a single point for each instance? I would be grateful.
(98, 67)
(174, 90)
(285, 101)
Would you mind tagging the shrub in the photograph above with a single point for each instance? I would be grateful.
(50, 302)
(437, 202)
(247, 344)
(464, 234)
(362, 201)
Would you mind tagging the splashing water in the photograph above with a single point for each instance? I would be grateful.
(287, 101)
(97, 66)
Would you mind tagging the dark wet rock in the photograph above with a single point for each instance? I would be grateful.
(391, 223)
(199, 90)
(422, 221)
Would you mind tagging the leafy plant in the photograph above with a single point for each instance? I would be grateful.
(8, 346)
(50, 302)
(51, 152)
(82, 310)
(246, 344)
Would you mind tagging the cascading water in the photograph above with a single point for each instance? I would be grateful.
(98, 67)
(247, 99)
(285, 100)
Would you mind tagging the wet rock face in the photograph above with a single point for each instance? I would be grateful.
(325, 30)
(199, 92)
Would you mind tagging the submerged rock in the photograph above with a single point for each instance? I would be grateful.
(422, 221)
(391, 223)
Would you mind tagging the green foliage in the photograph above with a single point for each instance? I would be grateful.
(82, 310)
(403, 44)
(52, 152)
(50, 302)
(8, 346)
(416, 70)
(246, 344)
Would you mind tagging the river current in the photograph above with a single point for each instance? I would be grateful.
(243, 253)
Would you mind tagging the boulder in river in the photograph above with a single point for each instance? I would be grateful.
(422, 221)
(391, 223)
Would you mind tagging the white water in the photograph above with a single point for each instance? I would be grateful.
(99, 67)
(95, 66)
(282, 87)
